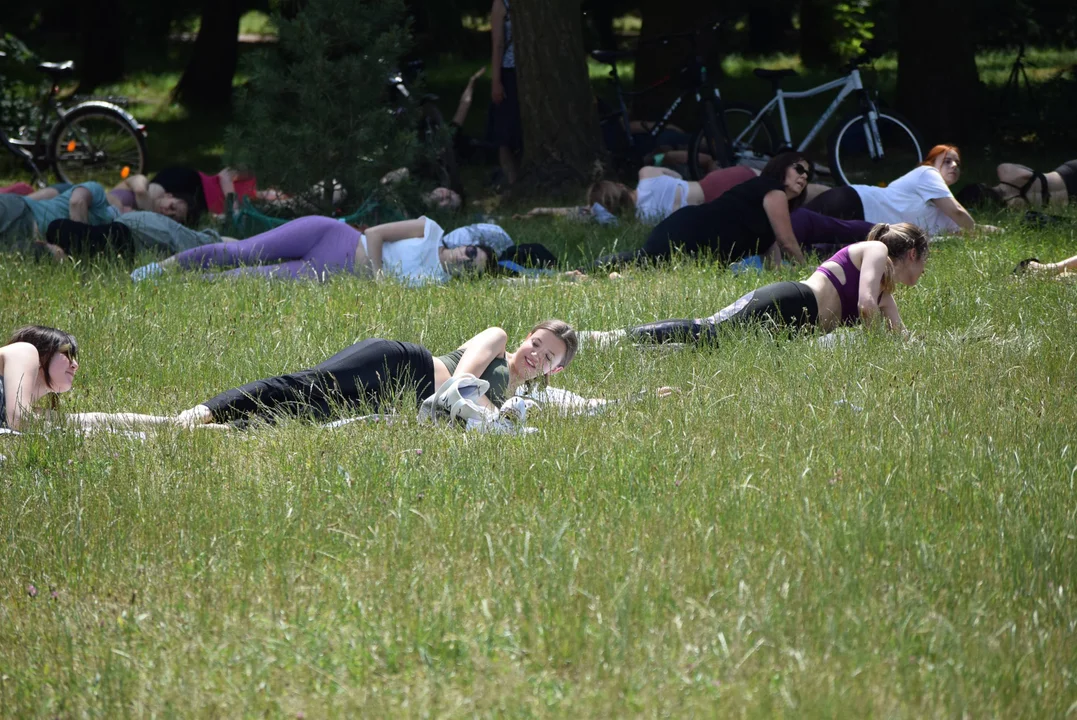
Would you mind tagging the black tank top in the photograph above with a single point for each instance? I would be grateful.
(734, 226)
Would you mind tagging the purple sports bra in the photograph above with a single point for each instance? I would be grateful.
(849, 292)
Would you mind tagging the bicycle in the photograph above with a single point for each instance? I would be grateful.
(94, 139)
(869, 147)
(630, 150)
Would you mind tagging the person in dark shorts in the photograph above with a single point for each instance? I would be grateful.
(505, 110)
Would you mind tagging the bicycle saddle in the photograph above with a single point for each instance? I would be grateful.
(57, 69)
(609, 57)
(774, 75)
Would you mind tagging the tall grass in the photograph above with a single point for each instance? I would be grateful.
(877, 529)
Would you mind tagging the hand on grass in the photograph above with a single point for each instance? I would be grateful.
(666, 390)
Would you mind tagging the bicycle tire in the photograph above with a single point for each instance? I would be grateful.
(760, 145)
(96, 142)
(852, 164)
(708, 140)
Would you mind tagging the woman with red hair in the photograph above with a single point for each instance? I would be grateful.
(921, 196)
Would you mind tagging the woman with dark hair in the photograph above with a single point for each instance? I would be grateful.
(856, 285)
(746, 220)
(36, 361)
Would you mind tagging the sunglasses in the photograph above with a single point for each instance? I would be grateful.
(471, 252)
(69, 352)
(801, 170)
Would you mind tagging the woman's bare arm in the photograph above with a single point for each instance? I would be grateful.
(776, 205)
(377, 236)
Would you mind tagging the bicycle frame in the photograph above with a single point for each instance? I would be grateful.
(849, 84)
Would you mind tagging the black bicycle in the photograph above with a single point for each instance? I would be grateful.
(631, 150)
(94, 139)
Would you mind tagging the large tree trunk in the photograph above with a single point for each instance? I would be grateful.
(655, 61)
(770, 25)
(937, 89)
(562, 146)
(817, 31)
(207, 80)
(103, 42)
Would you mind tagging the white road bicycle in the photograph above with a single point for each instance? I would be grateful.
(870, 147)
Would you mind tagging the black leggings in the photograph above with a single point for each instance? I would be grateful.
(1068, 171)
(841, 202)
(361, 377)
(658, 246)
(76, 238)
(787, 304)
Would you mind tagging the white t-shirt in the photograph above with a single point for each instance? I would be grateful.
(657, 197)
(414, 260)
(907, 200)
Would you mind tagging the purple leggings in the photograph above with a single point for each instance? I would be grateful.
(813, 229)
(309, 247)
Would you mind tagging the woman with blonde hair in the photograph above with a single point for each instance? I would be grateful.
(856, 285)
(370, 373)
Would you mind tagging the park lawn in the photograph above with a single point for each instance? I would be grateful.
(874, 529)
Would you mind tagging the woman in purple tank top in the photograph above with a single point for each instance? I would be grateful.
(855, 285)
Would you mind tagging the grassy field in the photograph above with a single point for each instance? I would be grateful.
(877, 529)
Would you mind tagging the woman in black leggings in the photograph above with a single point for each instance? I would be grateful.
(855, 285)
(368, 375)
(746, 220)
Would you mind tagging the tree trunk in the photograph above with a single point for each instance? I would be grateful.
(562, 146)
(817, 31)
(103, 43)
(938, 90)
(207, 81)
(770, 25)
(655, 61)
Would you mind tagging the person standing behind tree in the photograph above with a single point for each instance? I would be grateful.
(505, 111)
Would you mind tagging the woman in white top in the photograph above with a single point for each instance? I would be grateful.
(921, 197)
(412, 251)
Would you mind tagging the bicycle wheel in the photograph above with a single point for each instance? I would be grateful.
(709, 141)
(96, 143)
(851, 161)
(758, 144)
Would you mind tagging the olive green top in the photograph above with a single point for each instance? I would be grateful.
(496, 373)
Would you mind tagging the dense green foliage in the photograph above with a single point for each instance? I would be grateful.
(877, 529)
(316, 110)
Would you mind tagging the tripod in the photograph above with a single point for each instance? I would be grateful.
(1013, 86)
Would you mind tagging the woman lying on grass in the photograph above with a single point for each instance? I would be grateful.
(746, 220)
(921, 196)
(856, 285)
(1021, 186)
(367, 375)
(414, 251)
(1035, 267)
(36, 361)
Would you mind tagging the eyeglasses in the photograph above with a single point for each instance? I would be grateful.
(801, 170)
